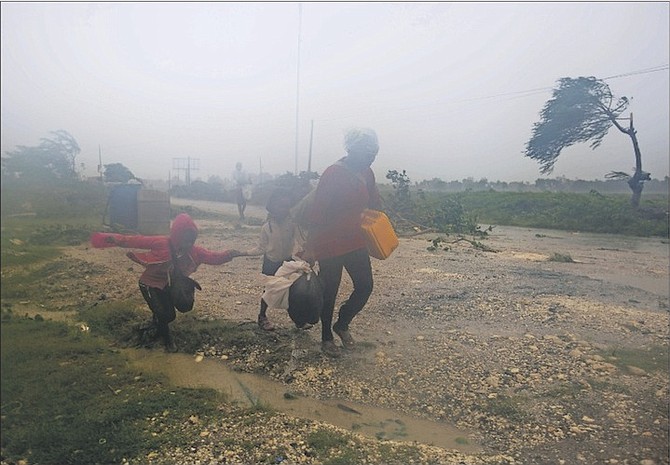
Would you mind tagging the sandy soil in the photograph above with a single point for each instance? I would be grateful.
(542, 361)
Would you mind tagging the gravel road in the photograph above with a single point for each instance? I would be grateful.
(540, 361)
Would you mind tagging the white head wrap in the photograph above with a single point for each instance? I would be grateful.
(361, 140)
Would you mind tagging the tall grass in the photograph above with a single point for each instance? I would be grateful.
(592, 212)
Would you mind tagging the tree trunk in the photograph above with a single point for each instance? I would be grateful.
(636, 186)
(636, 182)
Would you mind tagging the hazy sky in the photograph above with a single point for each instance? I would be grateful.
(452, 89)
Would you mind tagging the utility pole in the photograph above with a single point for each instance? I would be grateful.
(311, 137)
(188, 171)
(187, 165)
(100, 162)
(297, 90)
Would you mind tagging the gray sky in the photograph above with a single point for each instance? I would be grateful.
(452, 89)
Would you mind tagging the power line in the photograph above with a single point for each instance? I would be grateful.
(519, 93)
(642, 71)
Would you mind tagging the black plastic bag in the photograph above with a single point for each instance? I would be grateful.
(182, 291)
(305, 300)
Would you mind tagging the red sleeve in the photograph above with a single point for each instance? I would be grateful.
(210, 257)
(99, 240)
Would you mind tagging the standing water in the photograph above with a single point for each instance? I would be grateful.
(247, 389)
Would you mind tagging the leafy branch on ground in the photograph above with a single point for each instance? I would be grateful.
(418, 213)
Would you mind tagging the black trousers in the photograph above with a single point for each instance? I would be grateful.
(357, 264)
(160, 303)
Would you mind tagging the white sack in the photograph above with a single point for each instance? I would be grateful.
(277, 286)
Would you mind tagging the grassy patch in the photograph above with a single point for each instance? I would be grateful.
(334, 446)
(120, 320)
(610, 213)
(562, 258)
(194, 212)
(323, 440)
(40, 283)
(27, 240)
(606, 386)
(654, 358)
(510, 408)
(68, 398)
(62, 200)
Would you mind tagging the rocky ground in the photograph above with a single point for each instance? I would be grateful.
(542, 361)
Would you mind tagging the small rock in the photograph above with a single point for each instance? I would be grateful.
(576, 353)
(633, 370)
(493, 381)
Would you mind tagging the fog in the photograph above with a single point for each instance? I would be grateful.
(452, 89)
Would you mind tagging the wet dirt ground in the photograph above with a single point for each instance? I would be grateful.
(534, 361)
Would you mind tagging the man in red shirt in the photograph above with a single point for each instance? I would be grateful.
(335, 238)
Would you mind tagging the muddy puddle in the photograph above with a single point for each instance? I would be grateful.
(247, 389)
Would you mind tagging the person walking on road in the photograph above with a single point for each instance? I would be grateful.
(335, 239)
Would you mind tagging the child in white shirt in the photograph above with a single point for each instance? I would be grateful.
(277, 243)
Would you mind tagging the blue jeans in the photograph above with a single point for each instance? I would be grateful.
(357, 264)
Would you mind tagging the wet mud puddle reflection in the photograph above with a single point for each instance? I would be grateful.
(247, 389)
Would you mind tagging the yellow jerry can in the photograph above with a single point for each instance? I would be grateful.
(379, 233)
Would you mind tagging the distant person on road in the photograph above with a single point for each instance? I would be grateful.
(242, 189)
(277, 243)
(164, 253)
(335, 238)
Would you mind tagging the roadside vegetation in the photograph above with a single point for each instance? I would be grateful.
(593, 212)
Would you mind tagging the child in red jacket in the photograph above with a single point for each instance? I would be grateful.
(158, 263)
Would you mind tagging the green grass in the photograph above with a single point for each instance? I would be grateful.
(563, 258)
(655, 358)
(27, 240)
(593, 212)
(335, 447)
(509, 407)
(120, 320)
(324, 439)
(59, 201)
(68, 398)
